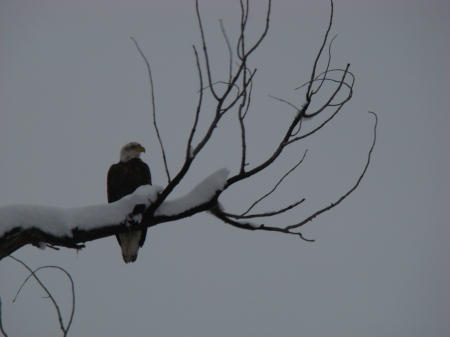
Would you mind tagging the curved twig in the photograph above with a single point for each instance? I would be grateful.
(284, 101)
(2, 330)
(227, 40)
(318, 78)
(245, 83)
(223, 82)
(317, 128)
(55, 304)
(328, 66)
(331, 97)
(352, 189)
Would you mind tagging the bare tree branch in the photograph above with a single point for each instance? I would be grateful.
(246, 54)
(352, 189)
(2, 330)
(249, 226)
(266, 214)
(65, 329)
(275, 187)
(318, 78)
(284, 101)
(328, 66)
(154, 108)
(310, 93)
(327, 104)
(242, 112)
(199, 107)
(227, 40)
(205, 51)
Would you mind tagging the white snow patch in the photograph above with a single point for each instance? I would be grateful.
(60, 221)
(201, 194)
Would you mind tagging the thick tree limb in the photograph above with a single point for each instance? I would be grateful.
(71, 228)
(19, 237)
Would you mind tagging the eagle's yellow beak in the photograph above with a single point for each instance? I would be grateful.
(139, 149)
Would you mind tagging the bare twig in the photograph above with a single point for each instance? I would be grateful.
(318, 78)
(246, 83)
(253, 227)
(241, 116)
(284, 101)
(249, 95)
(226, 83)
(263, 35)
(326, 70)
(265, 214)
(245, 103)
(332, 96)
(55, 304)
(275, 187)
(205, 51)
(309, 93)
(2, 330)
(241, 40)
(199, 106)
(154, 108)
(230, 51)
(339, 107)
(352, 189)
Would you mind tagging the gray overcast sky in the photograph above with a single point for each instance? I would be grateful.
(74, 90)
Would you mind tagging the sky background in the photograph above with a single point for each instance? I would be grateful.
(74, 90)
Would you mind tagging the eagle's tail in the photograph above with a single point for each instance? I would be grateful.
(129, 242)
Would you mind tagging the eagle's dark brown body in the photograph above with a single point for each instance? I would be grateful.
(123, 179)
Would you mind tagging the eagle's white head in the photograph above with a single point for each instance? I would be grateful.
(130, 151)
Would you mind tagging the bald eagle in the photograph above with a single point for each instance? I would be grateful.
(123, 179)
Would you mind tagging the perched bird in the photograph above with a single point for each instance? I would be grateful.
(123, 179)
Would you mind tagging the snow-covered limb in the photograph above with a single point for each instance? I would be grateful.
(68, 227)
(199, 195)
(62, 221)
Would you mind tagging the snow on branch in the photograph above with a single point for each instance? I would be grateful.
(62, 221)
(201, 194)
(68, 227)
